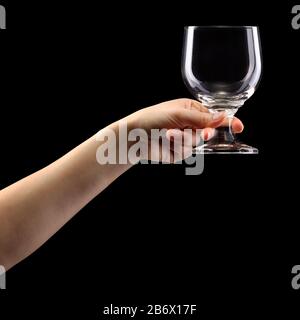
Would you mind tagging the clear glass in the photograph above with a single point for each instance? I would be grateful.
(221, 67)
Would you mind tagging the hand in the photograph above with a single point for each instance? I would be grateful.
(175, 116)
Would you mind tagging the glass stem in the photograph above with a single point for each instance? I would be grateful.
(224, 134)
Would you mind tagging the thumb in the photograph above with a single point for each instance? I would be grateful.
(198, 119)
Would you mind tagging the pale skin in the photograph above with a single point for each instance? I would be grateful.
(34, 208)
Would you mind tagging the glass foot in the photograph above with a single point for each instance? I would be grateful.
(225, 148)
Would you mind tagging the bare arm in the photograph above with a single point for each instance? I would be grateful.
(34, 208)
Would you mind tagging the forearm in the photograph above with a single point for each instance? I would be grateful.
(34, 208)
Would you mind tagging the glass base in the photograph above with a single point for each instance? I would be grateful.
(225, 148)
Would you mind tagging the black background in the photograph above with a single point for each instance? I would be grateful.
(226, 239)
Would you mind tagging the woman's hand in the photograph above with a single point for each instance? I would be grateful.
(175, 116)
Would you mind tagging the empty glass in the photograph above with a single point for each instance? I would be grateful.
(221, 66)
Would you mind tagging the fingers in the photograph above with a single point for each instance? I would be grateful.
(237, 125)
(197, 105)
(199, 120)
(182, 142)
(184, 137)
(190, 104)
(207, 133)
(180, 135)
(202, 121)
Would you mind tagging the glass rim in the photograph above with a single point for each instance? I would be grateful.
(222, 27)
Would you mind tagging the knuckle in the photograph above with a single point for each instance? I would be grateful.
(186, 103)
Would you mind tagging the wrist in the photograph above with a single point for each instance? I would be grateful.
(121, 143)
(133, 121)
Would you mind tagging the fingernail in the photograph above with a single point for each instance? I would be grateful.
(207, 134)
(210, 134)
(218, 115)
